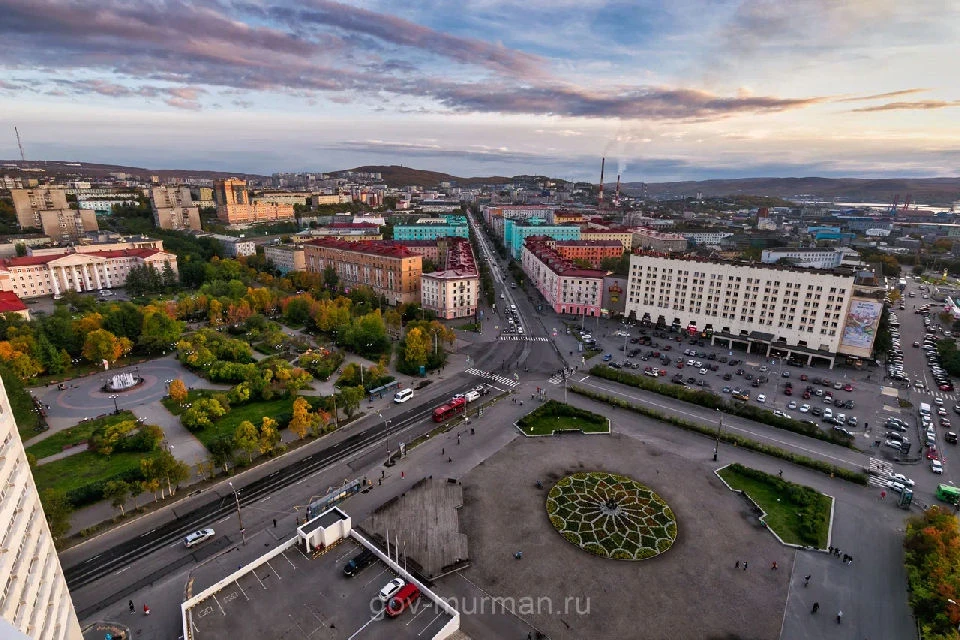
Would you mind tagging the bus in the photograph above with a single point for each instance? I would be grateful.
(948, 493)
(451, 408)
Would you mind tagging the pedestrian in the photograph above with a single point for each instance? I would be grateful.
(449, 459)
(443, 451)
(744, 565)
(816, 607)
(521, 403)
(883, 495)
(735, 566)
(133, 609)
(773, 565)
(830, 550)
(458, 438)
(839, 616)
(146, 609)
(806, 580)
(849, 560)
(274, 523)
(781, 473)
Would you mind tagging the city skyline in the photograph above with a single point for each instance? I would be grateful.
(680, 91)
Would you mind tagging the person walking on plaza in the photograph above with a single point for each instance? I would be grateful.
(816, 607)
(133, 609)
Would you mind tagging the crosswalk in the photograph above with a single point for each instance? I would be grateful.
(486, 375)
(940, 394)
(879, 471)
(519, 338)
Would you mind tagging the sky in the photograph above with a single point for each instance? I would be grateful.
(678, 90)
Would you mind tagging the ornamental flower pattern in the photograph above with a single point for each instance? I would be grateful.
(611, 516)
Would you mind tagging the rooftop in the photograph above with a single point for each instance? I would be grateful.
(385, 248)
(11, 302)
(587, 243)
(28, 261)
(540, 247)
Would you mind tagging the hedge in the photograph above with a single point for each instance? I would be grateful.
(713, 401)
(817, 465)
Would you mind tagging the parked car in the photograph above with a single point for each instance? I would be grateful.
(391, 589)
(936, 466)
(198, 537)
(761, 398)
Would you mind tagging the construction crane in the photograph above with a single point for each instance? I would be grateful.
(906, 202)
(896, 201)
(19, 144)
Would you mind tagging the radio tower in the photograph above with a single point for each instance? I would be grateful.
(603, 162)
(19, 144)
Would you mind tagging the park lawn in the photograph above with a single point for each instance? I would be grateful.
(784, 515)
(192, 396)
(85, 468)
(75, 435)
(280, 410)
(557, 416)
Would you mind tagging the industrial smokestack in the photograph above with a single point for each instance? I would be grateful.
(603, 163)
(616, 197)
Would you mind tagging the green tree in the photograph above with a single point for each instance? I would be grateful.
(21, 249)
(57, 510)
(117, 492)
(331, 280)
(350, 399)
(247, 438)
(221, 451)
(160, 332)
(172, 471)
(103, 345)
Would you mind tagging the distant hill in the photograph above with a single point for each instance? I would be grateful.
(937, 191)
(398, 176)
(67, 168)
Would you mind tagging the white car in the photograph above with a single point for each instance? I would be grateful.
(703, 372)
(804, 408)
(792, 405)
(198, 537)
(895, 486)
(902, 479)
(761, 398)
(391, 588)
(936, 466)
(938, 402)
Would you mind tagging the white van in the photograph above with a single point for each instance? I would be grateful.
(197, 537)
(924, 409)
(403, 395)
(471, 395)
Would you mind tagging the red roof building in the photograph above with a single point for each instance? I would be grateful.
(11, 303)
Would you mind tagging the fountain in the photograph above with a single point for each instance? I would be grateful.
(121, 382)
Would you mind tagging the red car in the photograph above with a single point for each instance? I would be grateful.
(679, 365)
(806, 395)
(946, 386)
(932, 453)
(803, 377)
(788, 391)
(848, 387)
(944, 423)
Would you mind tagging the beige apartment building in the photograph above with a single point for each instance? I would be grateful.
(173, 208)
(52, 274)
(234, 206)
(286, 257)
(68, 225)
(390, 269)
(28, 204)
(620, 234)
(651, 240)
(453, 291)
(34, 598)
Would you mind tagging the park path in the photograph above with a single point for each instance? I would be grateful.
(183, 444)
(63, 454)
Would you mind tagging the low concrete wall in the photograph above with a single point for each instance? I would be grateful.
(451, 627)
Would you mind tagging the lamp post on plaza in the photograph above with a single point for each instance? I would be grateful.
(236, 497)
(116, 408)
(716, 447)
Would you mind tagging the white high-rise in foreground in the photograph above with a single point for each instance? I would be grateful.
(34, 597)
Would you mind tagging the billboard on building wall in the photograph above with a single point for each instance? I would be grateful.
(860, 327)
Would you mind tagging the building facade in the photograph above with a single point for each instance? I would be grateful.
(234, 206)
(621, 234)
(68, 225)
(234, 247)
(650, 240)
(515, 232)
(283, 197)
(809, 258)
(349, 231)
(28, 203)
(708, 238)
(34, 597)
(173, 208)
(391, 270)
(453, 291)
(430, 230)
(286, 257)
(592, 251)
(52, 274)
(566, 287)
(762, 306)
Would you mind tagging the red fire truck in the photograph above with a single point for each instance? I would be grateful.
(451, 408)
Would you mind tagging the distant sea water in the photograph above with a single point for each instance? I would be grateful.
(881, 206)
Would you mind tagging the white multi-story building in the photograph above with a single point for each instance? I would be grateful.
(712, 238)
(234, 247)
(810, 258)
(52, 274)
(286, 257)
(453, 291)
(33, 592)
(795, 311)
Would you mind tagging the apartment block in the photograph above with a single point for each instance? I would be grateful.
(349, 231)
(173, 208)
(28, 203)
(798, 311)
(68, 270)
(68, 225)
(802, 257)
(621, 234)
(390, 269)
(283, 197)
(234, 206)
(592, 251)
(286, 257)
(651, 240)
(453, 291)
(566, 287)
(34, 599)
(515, 232)
(709, 237)
(234, 247)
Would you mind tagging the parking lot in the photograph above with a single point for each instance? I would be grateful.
(294, 595)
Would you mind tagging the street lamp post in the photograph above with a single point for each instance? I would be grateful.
(716, 447)
(116, 408)
(236, 497)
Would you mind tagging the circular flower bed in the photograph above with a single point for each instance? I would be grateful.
(611, 516)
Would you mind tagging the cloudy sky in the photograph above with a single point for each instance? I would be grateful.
(685, 89)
